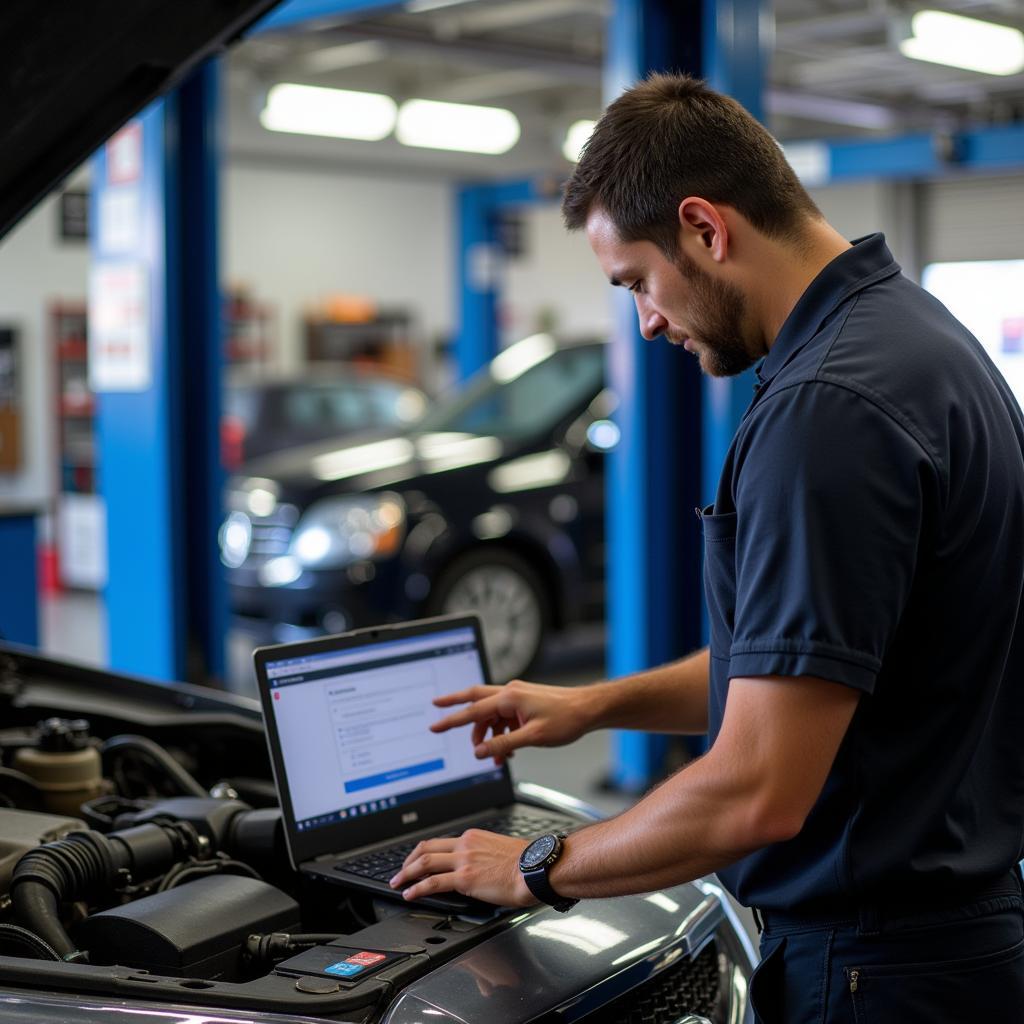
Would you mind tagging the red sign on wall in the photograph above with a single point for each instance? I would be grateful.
(124, 155)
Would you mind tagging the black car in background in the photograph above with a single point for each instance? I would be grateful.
(264, 416)
(492, 503)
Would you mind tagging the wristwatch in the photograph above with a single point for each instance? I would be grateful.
(535, 863)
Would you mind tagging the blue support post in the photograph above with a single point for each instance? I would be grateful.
(476, 279)
(133, 336)
(737, 50)
(654, 473)
(155, 352)
(675, 426)
(479, 260)
(201, 383)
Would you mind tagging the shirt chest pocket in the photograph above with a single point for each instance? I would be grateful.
(720, 579)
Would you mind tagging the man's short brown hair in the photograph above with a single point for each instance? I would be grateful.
(671, 137)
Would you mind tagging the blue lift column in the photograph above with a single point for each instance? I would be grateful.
(480, 257)
(736, 54)
(659, 473)
(476, 278)
(155, 365)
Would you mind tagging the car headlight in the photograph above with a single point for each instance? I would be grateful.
(235, 539)
(335, 532)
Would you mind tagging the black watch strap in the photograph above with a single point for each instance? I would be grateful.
(538, 883)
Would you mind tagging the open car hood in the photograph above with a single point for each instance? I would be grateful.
(73, 73)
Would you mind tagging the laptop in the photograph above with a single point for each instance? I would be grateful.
(360, 777)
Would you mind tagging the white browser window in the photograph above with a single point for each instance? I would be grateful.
(354, 728)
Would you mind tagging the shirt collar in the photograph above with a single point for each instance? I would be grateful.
(868, 261)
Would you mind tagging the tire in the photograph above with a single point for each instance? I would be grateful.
(508, 595)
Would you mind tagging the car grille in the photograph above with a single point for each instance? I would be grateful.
(689, 986)
(271, 536)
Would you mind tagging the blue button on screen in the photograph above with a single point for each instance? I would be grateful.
(344, 970)
(395, 775)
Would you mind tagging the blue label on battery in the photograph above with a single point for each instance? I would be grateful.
(344, 970)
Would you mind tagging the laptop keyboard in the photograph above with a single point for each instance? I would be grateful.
(381, 865)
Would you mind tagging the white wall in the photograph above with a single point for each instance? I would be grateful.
(36, 269)
(296, 236)
(861, 208)
(974, 219)
(558, 273)
(556, 279)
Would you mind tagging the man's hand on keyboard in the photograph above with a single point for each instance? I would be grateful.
(483, 865)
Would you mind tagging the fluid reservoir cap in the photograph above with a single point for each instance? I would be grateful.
(317, 986)
(60, 735)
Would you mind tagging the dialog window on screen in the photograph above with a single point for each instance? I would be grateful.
(354, 728)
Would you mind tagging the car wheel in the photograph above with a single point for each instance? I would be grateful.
(507, 594)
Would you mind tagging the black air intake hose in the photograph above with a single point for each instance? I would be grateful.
(85, 865)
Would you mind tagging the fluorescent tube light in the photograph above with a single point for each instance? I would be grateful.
(576, 138)
(457, 126)
(966, 43)
(419, 6)
(335, 113)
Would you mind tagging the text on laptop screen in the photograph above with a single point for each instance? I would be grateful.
(354, 725)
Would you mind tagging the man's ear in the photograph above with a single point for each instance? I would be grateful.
(702, 229)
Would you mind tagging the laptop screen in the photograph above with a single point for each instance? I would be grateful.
(352, 725)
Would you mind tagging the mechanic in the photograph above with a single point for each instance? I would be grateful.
(864, 686)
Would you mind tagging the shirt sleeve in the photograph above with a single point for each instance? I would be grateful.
(831, 495)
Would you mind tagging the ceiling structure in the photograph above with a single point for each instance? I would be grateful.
(836, 72)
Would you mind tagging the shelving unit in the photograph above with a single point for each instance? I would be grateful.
(80, 518)
(75, 402)
(248, 330)
(10, 401)
(353, 330)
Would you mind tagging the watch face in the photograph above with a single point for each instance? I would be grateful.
(538, 851)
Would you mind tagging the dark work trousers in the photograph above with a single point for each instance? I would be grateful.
(964, 965)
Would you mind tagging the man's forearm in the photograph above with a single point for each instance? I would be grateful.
(755, 787)
(696, 822)
(670, 699)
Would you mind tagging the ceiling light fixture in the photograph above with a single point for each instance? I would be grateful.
(335, 113)
(576, 138)
(419, 6)
(959, 42)
(460, 127)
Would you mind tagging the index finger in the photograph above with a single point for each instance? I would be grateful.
(474, 693)
(480, 711)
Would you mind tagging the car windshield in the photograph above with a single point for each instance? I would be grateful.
(329, 406)
(516, 405)
(323, 407)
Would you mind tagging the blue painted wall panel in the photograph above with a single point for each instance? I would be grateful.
(19, 605)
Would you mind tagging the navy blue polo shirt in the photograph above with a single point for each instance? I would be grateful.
(869, 530)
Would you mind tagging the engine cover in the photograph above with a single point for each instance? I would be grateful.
(196, 930)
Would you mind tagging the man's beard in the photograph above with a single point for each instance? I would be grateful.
(715, 321)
